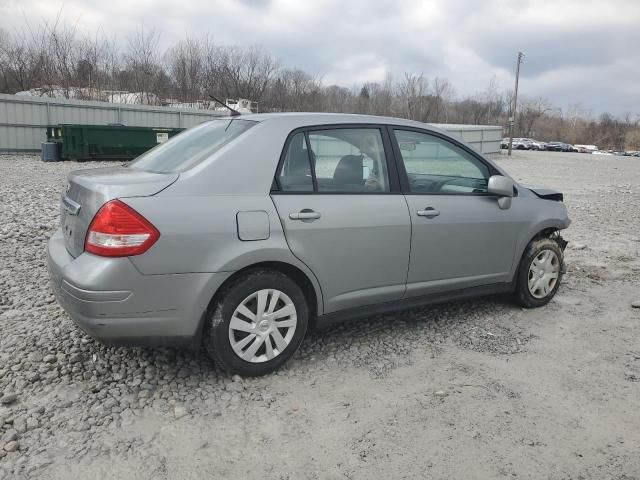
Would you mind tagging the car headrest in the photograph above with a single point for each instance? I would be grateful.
(349, 170)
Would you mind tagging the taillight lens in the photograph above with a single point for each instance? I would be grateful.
(118, 230)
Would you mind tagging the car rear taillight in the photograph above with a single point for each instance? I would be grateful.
(118, 230)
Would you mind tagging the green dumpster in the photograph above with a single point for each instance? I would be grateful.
(119, 142)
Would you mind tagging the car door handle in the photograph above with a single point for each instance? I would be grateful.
(304, 215)
(428, 212)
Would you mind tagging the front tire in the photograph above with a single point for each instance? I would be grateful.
(256, 324)
(540, 273)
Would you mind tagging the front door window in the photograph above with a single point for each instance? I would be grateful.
(436, 166)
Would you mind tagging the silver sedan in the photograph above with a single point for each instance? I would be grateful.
(243, 232)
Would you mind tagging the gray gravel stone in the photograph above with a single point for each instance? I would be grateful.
(49, 358)
(8, 398)
(9, 436)
(20, 424)
(32, 423)
(179, 412)
(12, 446)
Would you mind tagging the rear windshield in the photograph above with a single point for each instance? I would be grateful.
(191, 146)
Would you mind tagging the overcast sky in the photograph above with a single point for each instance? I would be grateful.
(576, 50)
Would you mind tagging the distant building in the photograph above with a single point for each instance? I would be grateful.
(82, 93)
(242, 105)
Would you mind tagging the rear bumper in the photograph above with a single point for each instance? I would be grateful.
(113, 302)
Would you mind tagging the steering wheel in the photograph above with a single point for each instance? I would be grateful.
(424, 184)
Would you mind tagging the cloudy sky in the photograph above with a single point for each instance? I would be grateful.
(583, 51)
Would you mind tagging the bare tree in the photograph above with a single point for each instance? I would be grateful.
(63, 48)
(246, 72)
(99, 59)
(186, 67)
(530, 111)
(143, 65)
(412, 91)
(19, 55)
(4, 61)
(442, 92)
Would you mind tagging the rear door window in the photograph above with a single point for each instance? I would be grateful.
(295, 175)
(341, 160)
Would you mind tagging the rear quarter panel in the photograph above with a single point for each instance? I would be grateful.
(199, 234)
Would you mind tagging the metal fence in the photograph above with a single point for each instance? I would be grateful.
(23, 121)
(484, 138)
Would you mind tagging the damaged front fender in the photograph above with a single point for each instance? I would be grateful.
(547, 193)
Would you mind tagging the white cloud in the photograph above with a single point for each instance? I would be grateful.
(577, 50)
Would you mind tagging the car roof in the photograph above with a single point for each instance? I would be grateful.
(315, 118)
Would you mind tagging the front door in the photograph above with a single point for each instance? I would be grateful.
(342, 217)
(460, 237)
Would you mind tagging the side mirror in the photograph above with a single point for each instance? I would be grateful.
(502, 187)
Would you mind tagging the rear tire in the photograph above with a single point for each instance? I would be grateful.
(539, 273)
(270, 317)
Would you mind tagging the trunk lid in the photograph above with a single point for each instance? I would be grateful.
(87, 190)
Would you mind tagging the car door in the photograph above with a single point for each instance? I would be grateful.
(343, 214)
(460, 236)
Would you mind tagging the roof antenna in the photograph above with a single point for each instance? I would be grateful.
(234, 113)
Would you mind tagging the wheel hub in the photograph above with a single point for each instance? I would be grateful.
(263, 325)
(543, 273)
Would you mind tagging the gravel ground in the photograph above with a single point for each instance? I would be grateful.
(478, 389)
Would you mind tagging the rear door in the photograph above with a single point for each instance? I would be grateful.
(343, 213)
(460, 237)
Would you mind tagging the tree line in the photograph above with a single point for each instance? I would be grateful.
(58, 58)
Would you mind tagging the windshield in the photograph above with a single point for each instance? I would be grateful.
(191, 146)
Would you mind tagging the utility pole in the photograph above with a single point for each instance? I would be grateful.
(515, 101)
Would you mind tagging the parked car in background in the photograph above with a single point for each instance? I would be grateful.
(558, 147)
(529, 143)
(581, 149)
(520, 144)
(240, 234)
(586, 148)
(553, 146)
